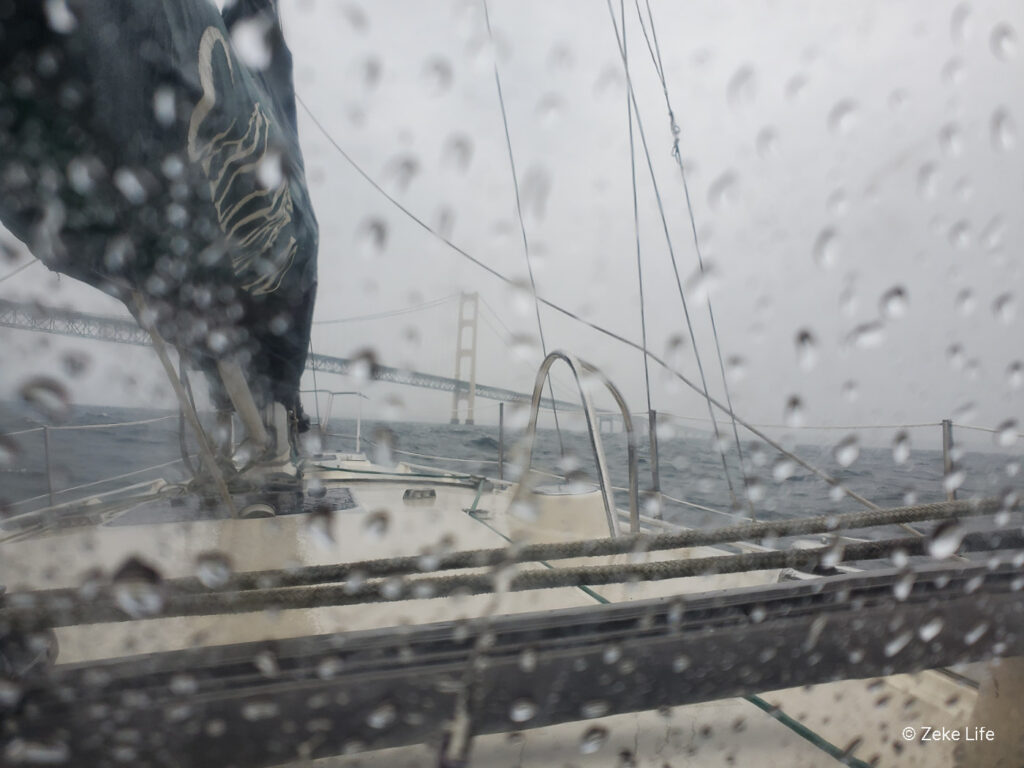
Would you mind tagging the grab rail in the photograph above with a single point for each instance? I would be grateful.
(607, 492)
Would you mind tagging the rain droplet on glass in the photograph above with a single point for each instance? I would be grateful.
(826, 248)
(1003, 42)
(901, 447)
(806, 349)
(742, 86)
(894, 303)
(842, 117)
(846, 451)
(1003, 130)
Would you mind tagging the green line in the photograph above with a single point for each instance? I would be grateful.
(804, 732)
(774, 712)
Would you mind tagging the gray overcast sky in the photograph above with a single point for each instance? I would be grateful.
(893, 132)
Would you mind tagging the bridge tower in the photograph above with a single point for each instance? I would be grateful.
(465, 349)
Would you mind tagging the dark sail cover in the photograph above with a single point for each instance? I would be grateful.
(150, 148)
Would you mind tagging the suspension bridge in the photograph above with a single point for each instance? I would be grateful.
(38, 317)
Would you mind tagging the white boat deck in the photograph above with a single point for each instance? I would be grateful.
(383, 524)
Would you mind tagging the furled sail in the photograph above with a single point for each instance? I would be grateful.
(150, 148)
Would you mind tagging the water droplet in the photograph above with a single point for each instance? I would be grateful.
(249, 38)
(522, 710)
(826, 248)
(894, 303)
(902, 587)
(795, 87)
(320, 525)
(960, 235)
(927, 181)
(850, 391)
(382, 716)
(371, 72)
(218, 341)
(593, 739)
(736, 369)
(793, 414)
(594, 709)
(901, 447)
(767, 142)
(965, 302)
(47, 397)
(953, 72)
(266, 663)
(372, 237)
(437, 74)
(723, 191)
(534, 191)
(270, 171)
(24, 752)
(183, 684)
(742, 86)
(951, 140)
(213, 569)
(783, 469)
(164, 105)
(945, 539)
(833, 556)
(842, 117)
(457, 152)
(550, 108)
(703, 282)
(898, 643)
(1004, 130)
(953, 480)
(130, 185)
(838, 203)
(1003, 42)
(59, 16)
(1006, 433)
(377, 523)
(254, 711)
(975, 634)
(1015, 374)
(1004, 308)
(806, 349)
(138, 589)
(867, 335)
(401, 171)
(959, 23)
(930, 629)
(10, 693)
(846, 451)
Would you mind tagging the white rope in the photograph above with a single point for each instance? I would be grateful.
(73, 427)
(812, 426)
(988, 429)
(22, 432)
(98, 482)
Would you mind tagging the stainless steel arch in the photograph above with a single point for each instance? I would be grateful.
(577, 366)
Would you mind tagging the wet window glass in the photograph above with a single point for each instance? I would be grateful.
(494, 382)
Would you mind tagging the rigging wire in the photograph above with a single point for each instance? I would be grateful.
(636, 214)
(316, 388)
(661, 362)
(522, 224)
(388, 313)
(660, 69)
(19, 270)
(675, 267)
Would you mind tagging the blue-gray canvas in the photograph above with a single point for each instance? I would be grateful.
(145, 149)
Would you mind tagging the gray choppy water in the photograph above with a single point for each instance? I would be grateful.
(690, 466)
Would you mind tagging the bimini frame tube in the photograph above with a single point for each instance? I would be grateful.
(577, 367)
